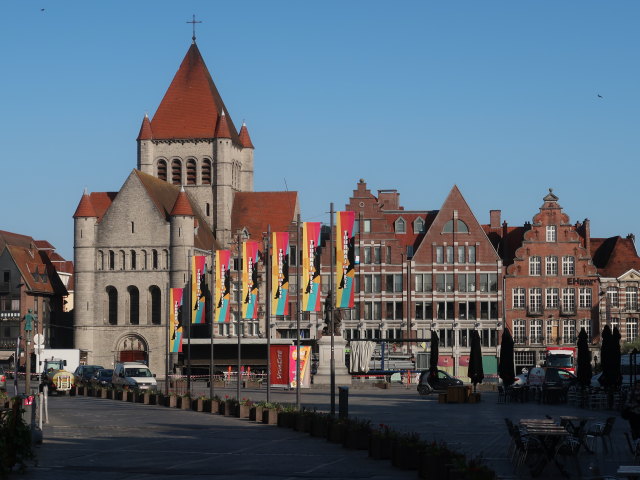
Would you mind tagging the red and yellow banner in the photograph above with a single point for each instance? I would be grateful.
(250, 279)
(280, 273)
(311, 266)
(223, 286)
(175, 320)
(283, 365)
(345, 259)
(305, 355)
(198, 271)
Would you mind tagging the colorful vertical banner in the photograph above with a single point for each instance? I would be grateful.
(279, 364)
(311, 266)
(223, 286)
(283, 365)
(280, 273)
(250, 279)
(198, 271)
(175, 319)
(345, 259)
(305, 354)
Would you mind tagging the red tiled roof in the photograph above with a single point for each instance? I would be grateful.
(99, 202)
(257, 210)
(85, 207)
(44, 245)
(192, 104)
(614, 256)
(37, 272)
(182, 205)
(409, 238)
(145, 129)
(9, 238)
(245, 139)
(222, 129)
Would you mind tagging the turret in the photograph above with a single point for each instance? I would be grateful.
(226, 180)
(247, 159)
(182, 238)
(145, 147)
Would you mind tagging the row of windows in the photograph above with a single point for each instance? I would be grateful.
(631, 297)
(551, 265)
(552, 298)
(132, 299)
(466, 282)
(466, 310)
(134, 260)
(551, 331)
(630, 328)
(459, 253)
(176, 173)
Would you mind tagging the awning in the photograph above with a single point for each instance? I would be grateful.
(6, 355)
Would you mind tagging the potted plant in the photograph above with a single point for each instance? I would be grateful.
(357, 434)
(380, 442)
(337, 431)
(270, 413)
(303, 421)
(406, 451)
(230, 406)
(173, 400)
(216, 401)
(287, 417)
(15, 439)
(320, 424)
(185, 402)
(245, 407)
(203, 404)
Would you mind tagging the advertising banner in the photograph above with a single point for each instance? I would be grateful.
(310, 266)
(250, 279)
(175, 320)
(198, 272)
(305, 355)
(345, 259)
(279, 364)
(280, 273)
(223, 286)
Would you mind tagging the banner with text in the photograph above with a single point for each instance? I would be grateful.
(175, 319)
(279, 364)
(310, 266)
(305, 354)
(345, 259)
(280, 273)
(198, 276)
(223, 286)
(250, 279)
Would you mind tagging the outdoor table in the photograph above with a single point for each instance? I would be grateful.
(629, 471)
(549, 435)
(576, 426)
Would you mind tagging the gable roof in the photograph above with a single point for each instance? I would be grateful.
(10, 238)
(192, 105)
(614, 256)
(257, 210)
(36, 270)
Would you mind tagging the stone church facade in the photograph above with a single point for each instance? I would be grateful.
(131, 246)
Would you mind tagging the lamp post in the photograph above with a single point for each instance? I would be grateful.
(29, 321)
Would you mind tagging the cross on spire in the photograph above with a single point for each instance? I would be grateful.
(193, 22)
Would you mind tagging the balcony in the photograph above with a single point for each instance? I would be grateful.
(535, 310)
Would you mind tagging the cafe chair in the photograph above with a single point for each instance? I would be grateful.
(525, 445)
(569, 448)
(601, 430)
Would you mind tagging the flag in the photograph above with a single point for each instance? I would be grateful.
(198, 271)
(345, 259)
(250, 279)
(175, 319)
(310, 267)
(280, 273)
(223, 286)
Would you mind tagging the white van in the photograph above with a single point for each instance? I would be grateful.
(133, 375)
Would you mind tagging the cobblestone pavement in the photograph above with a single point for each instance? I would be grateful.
(108, 439)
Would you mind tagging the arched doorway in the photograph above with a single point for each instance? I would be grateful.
(132, 348)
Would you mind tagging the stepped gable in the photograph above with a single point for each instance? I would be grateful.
(257, 210)
(164, 196)
(192, 104)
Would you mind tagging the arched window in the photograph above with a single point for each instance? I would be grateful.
(145, 261)
(112, 305)
(112, 259)
(162, 170)
(100, 260)
(191, 172)
(401, 226)
(206, 171)
(133, 259)
(165, 259)
(134, 305)
(154, 253)
(156, 304)
(418, 225)
(122, 259)
(176, 172)
(461, 227)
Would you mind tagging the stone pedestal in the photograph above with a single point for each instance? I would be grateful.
(323, 376)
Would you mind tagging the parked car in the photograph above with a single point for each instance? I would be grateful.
(133, 375)
(84, 372)
(550, 376)
(3, 379)
(102, 377)
(441, 382)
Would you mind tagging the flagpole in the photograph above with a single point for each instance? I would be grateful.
(268, 266)
(239, 313)
(298, 287)
(331, 312)
(211, 317)
(190, 306)
(166, 340)
(298, 346)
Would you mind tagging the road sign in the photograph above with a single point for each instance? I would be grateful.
(38, 339)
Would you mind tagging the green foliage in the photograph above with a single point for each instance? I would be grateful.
(15, 439)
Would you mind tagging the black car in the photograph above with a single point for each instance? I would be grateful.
(102, 377)
(441, 381)
(84, 372)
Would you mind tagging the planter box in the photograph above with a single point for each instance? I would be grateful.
(405, 457)
(173, 401)
(185, 403)
(286, 420)
(258, 414)
(215, 406)
(380, 447)
(104, 393)
(229, 409)
(202, 405)
(474, 398)
(302, 423)
(150, 398)
(270, 416)
(337, 433)
(243, 411)
(319, 427)
(357, 440)
(248, 384)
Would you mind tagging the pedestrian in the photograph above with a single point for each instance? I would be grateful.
(631, 411)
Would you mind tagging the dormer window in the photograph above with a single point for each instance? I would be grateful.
(418, 225)
(401, 226)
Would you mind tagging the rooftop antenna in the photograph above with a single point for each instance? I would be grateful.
(193, 22)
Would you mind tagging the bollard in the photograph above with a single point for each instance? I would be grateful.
(343, 402)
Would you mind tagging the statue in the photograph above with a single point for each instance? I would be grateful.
(337, 317)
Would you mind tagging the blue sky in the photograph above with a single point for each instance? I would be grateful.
(500, 98)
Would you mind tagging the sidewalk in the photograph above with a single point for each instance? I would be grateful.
(103, 439)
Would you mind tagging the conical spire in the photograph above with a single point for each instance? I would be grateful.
(222, 130)
(145, 129)
(182, 205)
(85, 207)
(245, 139)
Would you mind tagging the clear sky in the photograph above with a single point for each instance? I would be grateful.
(498, 97)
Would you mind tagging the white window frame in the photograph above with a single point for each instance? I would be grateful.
(568, 265)
(534, 266)
(585, 297)
(552, 233)
(552, 297)
(519, 297)
(551, 265)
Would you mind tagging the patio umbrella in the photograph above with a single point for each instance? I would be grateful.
(615, 369)
(476, 373)
(506, 368)
(607, 358)
(584, 359)
(433, 357)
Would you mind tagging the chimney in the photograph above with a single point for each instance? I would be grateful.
(587, 235)
(494, 216)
